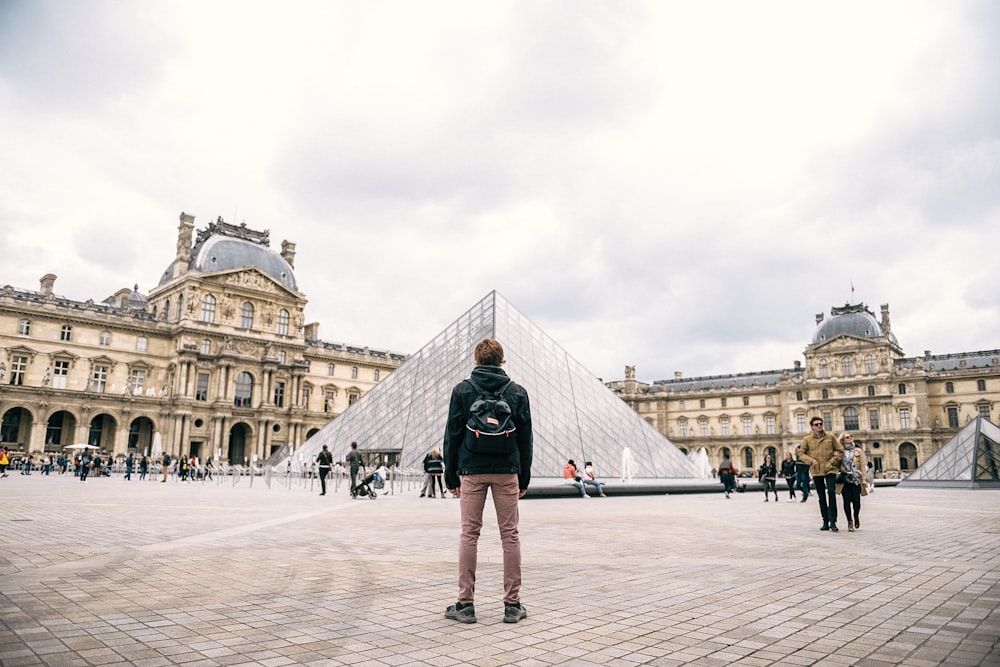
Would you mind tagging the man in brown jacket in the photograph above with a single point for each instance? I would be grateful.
(824, 454)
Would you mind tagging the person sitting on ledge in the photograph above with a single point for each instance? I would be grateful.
(571, 476)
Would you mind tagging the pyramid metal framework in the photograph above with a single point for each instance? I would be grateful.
(969, 460)
(574, 416)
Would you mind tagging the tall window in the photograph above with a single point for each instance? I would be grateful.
(701, 403)
(746, 401)
(851, 419)
(104, 339)
(279, 394)
(283, 323)
(136, 380)
(328, 397)
(201, 387)
(769, 400)
(869, 364)
(683, 426)
(66, 333)
(330, 368)
(904, 418)
(825, 394)
(703, 427)
(824, 368)
(246, 315)
(377, 374)
(846, 367)
(901, 389)
(953, 417)
(681, 405)
(60, 371)
(984, 410)
(873, 419)
(723, 402)
(871, 390)
(18, 368)
(981, 385)
(748, 457)
(747, 426)
(99, 379)
(141, 343)
(352, 397)
(769, 422)
(828, 420)
(208, 308)
(243, 396)
(949, 387)
(798, 395)
(281, 356)
(206, 346)
(800, 423)
(724, 422)
(354, 372)
(24, 327)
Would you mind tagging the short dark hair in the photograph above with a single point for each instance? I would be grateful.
(489, 352)
(815, 419)
(354, 445)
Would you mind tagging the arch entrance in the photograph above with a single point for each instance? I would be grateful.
(59, 431)
(239, 439)
(15, 428)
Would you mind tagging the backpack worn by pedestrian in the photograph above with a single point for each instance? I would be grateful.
(491, 424)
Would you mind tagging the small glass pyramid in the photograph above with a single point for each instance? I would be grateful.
(574, 415)
(971, 459)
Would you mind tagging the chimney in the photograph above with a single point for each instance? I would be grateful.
(678, 375)
(288, 252)
(819, 317)
(46, 283)
(798, 365)
(886, 326)
(312, 331)
(185, 232)
(927, 353)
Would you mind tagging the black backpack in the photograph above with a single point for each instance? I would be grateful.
(491, 424)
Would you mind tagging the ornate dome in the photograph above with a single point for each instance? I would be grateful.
(852, 320)
(224, 247)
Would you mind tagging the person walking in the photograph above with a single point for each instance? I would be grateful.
(325, 461)
(166, 466)
(727, 475)
(788, 472)
(801, 475)
(824, 454)
(767, 474)
(354, 461)
(4, 461)
(473, 468)
(129, 464)
(143, 467)
(434, 467)
(851, 482)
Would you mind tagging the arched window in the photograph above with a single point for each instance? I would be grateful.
(907, 456)
(851, 419)
(246, 315)
(824, 368)
(870, 364)
(208, 308)
(243, 396)
(846, 367)
(283, 323)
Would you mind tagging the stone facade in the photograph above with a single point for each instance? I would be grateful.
(855, 377)
(217, 361)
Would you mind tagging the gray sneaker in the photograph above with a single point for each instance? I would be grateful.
(463, 613)
(512, 613)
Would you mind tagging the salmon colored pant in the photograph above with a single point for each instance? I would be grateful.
(473, 500)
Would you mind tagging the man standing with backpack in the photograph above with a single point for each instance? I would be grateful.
(487, 446)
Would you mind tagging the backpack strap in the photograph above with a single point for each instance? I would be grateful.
(479, 389)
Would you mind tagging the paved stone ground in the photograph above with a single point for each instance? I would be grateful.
(128, 573)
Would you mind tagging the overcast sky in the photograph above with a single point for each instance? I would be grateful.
(680, 186)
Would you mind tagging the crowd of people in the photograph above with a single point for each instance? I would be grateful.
(835, 466)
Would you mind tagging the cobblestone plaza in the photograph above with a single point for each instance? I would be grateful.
(216, 573)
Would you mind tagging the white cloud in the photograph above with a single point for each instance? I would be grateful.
(681, 186)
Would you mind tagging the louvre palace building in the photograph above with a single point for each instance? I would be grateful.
(216, 361)
(855, 376)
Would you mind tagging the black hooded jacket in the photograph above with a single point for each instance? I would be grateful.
(461, 460)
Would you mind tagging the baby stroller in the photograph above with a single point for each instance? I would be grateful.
(367, 486)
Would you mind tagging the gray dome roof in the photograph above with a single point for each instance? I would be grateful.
(850, 320)
(223, 253)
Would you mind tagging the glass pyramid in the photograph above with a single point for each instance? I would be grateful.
(971, 459)
(574, 415)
